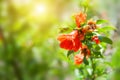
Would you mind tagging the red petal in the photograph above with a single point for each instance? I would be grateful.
(66, 44)
(70, 41)
(77, 44)
(96, 39)
(77, 21)
(63, 37)
(74, 34)
(80, 18)
(78, 58)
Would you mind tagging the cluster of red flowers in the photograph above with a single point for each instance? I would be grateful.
(73, 40)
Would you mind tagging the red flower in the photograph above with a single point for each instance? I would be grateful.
(78, 58)
(85, 52)
(96, 39)
(80, 18)
(70, 41)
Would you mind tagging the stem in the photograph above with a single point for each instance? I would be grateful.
(93, 67)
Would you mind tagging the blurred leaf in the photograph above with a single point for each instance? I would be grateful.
(116, 55)
(101, 21)
(72, 24)
(90, 44)
(82, 25)
(85, 60)
(63, 30)
(106, 28)
(85, 3)
(69, 53)
(105, 39)
(97, 47)
(108, 63)
(89, 34)
(98, 54)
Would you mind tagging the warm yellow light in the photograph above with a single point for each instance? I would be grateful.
(39, 9)
(20, 2)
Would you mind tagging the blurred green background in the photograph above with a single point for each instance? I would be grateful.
(29, 49)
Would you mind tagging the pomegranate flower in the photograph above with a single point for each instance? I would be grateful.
(85, 52)
(70, 41)
(78, 58)
(80, 18)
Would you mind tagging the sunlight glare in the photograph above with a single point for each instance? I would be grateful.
(39, 9)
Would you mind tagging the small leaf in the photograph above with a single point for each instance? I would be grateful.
(89, 44)
(84, 3)
(106, 28)
(101, 21)
(69, 53)
(97, 48)
(89, 34)
(85, 61)
(82, 25)
(98, 54)
(108, 63)
(63, 30)
(105, 39)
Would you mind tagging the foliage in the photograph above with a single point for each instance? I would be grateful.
(86, 39)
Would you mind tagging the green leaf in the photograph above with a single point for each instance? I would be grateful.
(108, 63)
(85, 61)
(97, 47)
(69, 53)
(106, 28)
(89, 34)
(101, 21)
(65, 30)
(105, 39)
(98, 54)
(72, 24)
(84, 3)
(82, 25)
(89, 44)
